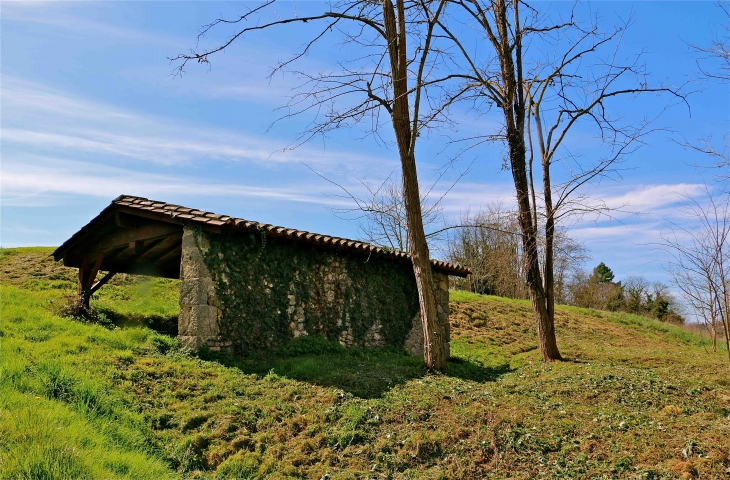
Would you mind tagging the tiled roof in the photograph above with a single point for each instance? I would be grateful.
(224, 221)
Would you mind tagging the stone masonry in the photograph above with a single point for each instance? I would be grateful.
(202, 308)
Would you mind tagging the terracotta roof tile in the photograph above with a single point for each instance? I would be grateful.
(210, 218)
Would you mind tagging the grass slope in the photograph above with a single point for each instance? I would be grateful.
(636, 398)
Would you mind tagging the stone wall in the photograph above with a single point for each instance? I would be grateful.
(245, 292)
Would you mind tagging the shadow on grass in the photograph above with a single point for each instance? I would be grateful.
(365, 373)
(159, 323)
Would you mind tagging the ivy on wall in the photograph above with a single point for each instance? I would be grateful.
(265, 284)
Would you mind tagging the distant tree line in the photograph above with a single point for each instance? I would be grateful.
(488, 244)
(634, 295)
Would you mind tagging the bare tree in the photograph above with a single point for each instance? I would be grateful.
(701, 261)
(570, 255)
(394, 77)
(542, 95)
(384, 220)
(714, 58)
(489, 243)
(700, 254)
(714, 66)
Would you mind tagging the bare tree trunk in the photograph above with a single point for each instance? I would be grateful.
(434, 339)
(725, 308)
(514, 113)
(549, 247)
(713, 316)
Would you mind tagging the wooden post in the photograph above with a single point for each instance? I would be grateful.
(87, 275)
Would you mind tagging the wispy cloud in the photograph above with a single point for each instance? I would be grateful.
(42, 120)
(58, 15)
(470, 197)
(24, 182)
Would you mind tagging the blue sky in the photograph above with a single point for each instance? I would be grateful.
(90, 111)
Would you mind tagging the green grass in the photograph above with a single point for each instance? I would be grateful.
(635, 399)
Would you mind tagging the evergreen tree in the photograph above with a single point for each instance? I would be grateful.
(602, 274)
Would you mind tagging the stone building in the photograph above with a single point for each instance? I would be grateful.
(248, 286)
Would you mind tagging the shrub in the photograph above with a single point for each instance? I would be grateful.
(75, 309)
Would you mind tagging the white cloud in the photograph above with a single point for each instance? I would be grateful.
(648, 198)
(36, 117)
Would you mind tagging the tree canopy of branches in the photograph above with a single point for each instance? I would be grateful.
(545, 78)
(713, 60)
(383, 216)
(700, 268)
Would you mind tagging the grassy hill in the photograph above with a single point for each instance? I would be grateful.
(635, 399)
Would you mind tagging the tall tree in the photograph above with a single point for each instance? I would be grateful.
(392, 71)
(698, 258)
(542, 94)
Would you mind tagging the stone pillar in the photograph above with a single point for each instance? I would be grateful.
(414, 341)
(200, 310)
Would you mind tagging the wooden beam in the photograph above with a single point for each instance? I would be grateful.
(87, 275)
(137, 247)
(141, 250)
(138, 212)
(94, 271)
(101, 283)
(147, 232)
(176, 248)
(163, 245)
(99, 223)
(111, 255)
(125, 221)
